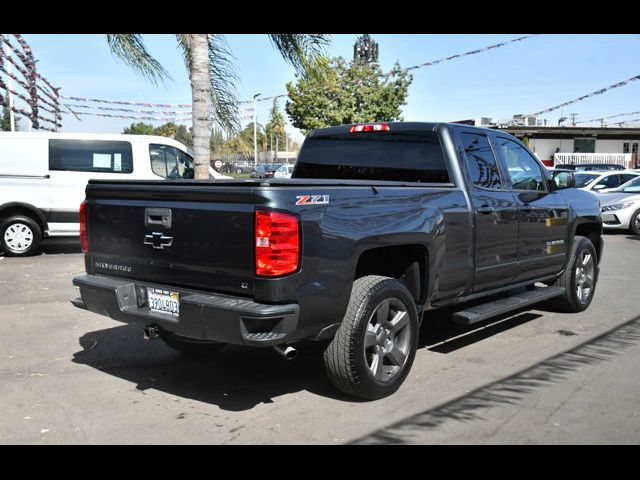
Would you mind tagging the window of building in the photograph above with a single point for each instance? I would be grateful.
(584, 145)
(524, 170)
(482, 165)
(90, 156)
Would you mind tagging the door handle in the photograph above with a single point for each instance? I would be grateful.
(485, 209)
(157, 217)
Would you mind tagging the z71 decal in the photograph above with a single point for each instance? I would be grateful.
(312, 199)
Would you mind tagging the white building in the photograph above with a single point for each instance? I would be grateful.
(555, 145)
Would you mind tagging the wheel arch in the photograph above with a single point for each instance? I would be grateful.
(592, 231)
(408, 263)
(19, 208)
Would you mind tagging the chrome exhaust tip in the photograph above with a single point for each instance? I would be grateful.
(287, 351)
(151, 332)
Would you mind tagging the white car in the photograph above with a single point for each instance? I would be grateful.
(604, 181)
(621, 207)
(43, 177)
(284, 171)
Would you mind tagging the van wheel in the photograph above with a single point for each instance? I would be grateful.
(20, 236)
(579, 278)
(373, 350)
(188, 346)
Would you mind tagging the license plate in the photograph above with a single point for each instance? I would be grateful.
(163, 301)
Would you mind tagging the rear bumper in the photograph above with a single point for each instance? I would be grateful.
(203, 315)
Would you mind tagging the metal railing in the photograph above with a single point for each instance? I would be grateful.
(625, 159)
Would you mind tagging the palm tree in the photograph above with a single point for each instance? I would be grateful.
(275, 125)
(213, 76)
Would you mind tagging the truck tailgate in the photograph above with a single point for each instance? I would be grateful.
(200, 236)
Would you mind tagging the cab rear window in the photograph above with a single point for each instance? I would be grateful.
(399, 156)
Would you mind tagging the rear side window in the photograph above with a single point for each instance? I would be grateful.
(393, 156)
(481, 163)
(99, 156)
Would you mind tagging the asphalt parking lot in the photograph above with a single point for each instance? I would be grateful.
(537, 376)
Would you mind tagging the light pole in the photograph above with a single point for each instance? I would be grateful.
(255, 134)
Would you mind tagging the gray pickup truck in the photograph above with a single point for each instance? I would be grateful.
(379, 225)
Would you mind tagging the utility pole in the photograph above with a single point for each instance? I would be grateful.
(12, 120)
(573, 119)
(255, 141)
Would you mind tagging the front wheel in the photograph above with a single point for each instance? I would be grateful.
(579, 278)
(634, 222)
(374, 348)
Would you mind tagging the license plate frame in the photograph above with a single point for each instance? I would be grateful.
(160, 300)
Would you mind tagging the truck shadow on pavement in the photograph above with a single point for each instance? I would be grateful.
(238, 378)
(235, 378)
(510, 390)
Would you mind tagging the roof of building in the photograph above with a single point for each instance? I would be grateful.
(615, 132)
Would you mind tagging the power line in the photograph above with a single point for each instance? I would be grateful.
(460, 55)
(611, 116)
(597, 92)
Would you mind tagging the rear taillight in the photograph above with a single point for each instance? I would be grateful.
(277, 243)
(369, 127)
(84, 240)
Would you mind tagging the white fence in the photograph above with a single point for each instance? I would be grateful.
(624, 159)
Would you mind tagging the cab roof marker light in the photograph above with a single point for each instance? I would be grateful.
(369, 127)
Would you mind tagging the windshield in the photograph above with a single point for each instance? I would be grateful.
(584, 179)
(632, 186)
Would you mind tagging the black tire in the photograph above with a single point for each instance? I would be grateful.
(571, 278)
(26, 229)
(634, 223)
(189, 347)
(347, 357)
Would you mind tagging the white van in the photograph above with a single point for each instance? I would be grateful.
(43, 177)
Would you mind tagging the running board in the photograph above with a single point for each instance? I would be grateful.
(478, 313)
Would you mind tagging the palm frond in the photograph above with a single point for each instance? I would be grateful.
(223, 76)
(299, 50)
(131, 50)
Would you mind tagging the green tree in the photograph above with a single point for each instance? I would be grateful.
(348, 93)
(275, 128)
(217, 140)
(184, 136)
(139, 128)
(212, 74)
(5, 121)
(169, 130)
(242, 142)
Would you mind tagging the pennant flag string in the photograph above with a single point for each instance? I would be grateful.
(588, 95)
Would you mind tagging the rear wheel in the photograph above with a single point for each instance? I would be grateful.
(188, 346)
(20, 236)
(374, 348)
(634, 222)
(579, 278)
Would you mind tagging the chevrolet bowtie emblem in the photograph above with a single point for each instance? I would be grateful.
(158, 240)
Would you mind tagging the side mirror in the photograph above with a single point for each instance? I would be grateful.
(562, 180)
(599, 187)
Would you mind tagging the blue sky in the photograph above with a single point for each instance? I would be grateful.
(522, 77)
